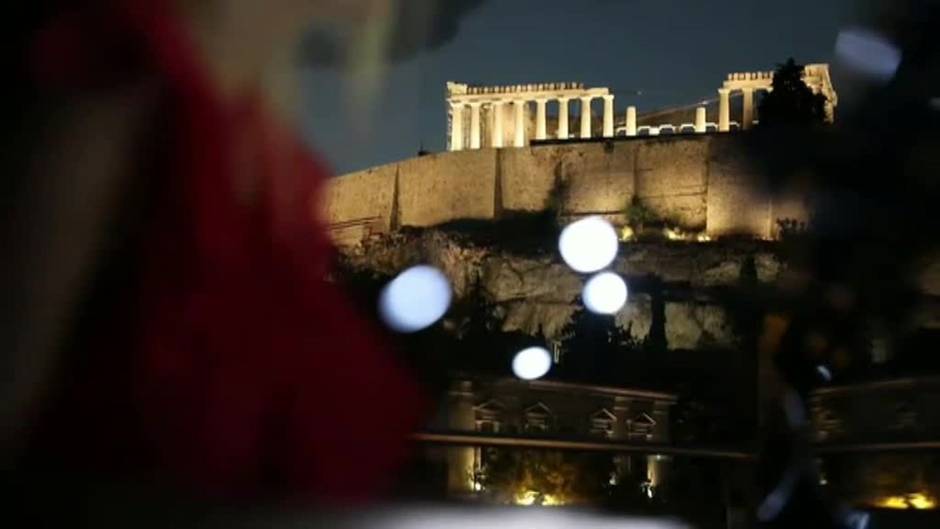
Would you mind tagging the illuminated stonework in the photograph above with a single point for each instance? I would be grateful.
(500, 116)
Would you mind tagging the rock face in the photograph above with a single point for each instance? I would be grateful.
(538, 295)
(693, 325)
(637, 317)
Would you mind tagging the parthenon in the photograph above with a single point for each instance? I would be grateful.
(499, 116)
(505, 109)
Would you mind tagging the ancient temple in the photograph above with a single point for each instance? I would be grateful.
(501, 116)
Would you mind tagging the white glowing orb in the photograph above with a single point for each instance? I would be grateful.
(532, 363)
(589, 244)
(605, 293)
(868, 53)
(415, 299)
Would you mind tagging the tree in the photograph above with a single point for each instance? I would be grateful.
(543, 477)
(596, 349)
(792, 102)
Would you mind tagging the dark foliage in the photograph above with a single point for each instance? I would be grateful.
(791, 103)
(597, 350)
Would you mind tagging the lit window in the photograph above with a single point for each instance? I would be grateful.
(538, 418)
(489, 416)
(602, 423)
(641, 428)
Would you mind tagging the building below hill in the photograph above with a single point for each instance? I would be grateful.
(510, 409)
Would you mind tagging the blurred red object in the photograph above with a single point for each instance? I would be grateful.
(231, 368)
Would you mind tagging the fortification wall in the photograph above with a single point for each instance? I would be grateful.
(447, 186)
(702, 182)
(359, 204)
(672, 178)
(601, 178)
(528, 176)
(736, 204)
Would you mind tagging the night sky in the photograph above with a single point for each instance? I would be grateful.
(651, 53)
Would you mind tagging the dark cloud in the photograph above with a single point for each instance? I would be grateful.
(418, 25)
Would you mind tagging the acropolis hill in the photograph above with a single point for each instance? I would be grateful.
(695, 182)
(694, 174)
(705, 213)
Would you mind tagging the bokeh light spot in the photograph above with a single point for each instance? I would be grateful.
(868, 53)
(589, 244)
(415, 299)
(532, 363)
(605, 293)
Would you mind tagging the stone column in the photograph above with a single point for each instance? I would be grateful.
(657, 466)
(519, 123)
(497, 110)
(747, 120)
(460, 417)
(631, 121)
(700, 120)
(608, 116)
(474, 125)
(622, 413)
(586, 117)
(724, 109)
(563, 118)
(540, 133)
(456, 126)
(657, 471)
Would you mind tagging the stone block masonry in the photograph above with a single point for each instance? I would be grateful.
(697, 183)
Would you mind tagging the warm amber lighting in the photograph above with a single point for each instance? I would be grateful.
(921, 501)
(552, 501)
(626, 233)
(892, 502)
(678, 234)
(526, 497)
(534, 497)
(673, 234)
(917, 500)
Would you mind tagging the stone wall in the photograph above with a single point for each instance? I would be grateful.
(440, 188)
(735, 203)
(360, 203)
(672, 178)
(697, 183)
(528, 176)
(601, 177)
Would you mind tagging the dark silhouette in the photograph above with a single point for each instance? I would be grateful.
(791, 102)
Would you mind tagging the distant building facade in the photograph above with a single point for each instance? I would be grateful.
(893, 410)
(879, 441)
(509, 407)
